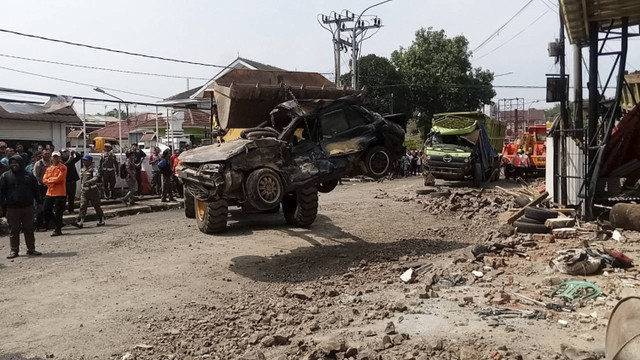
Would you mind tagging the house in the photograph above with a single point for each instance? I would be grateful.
(136, 129)
(33, 123)
(194, 98)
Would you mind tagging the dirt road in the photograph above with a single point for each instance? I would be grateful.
(154, 286)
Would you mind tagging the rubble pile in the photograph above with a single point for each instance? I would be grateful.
(466, 204)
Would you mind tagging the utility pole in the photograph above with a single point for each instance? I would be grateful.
(357, 32)
(339, 44)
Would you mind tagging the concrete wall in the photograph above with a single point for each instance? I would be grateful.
(34, 131)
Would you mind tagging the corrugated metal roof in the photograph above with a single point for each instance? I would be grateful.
(58, 109)
(579, 13)
(148, 137)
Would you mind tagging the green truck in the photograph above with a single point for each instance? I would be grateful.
(462, 146)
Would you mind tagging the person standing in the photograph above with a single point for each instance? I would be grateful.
(38, 171)
(414, 163)
(165, 170)
(89, 193)
(55, 177)
(109, 168)
(156, 182)
(19, 190)
(8, 153)
(139, 156)
(175, 161)
(70, 158)
(3, 148)
(132, 183)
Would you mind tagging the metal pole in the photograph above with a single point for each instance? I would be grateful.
(169, 131)
(157, 127)
(594, 100)
(120, 142)
(354, 46)
(577, 87)
(84, 126)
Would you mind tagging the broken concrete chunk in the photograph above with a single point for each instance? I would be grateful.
(408, 276)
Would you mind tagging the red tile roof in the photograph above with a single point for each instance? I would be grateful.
(148, 121)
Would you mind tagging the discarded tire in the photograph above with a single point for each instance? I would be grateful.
(522, 201)
(189, 205)
(212, 217)
(300, 208)
(527, 220)
(526, 228)
(539, 213)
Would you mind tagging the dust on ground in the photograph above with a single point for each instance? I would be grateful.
(152, 286)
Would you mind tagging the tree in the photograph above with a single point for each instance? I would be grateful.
(381, 80)
(114, 112)
(439, 76)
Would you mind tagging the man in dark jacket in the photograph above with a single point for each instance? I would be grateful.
(19, 189)
(69, 159)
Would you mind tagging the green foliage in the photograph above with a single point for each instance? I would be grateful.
(413, 144)
(440, 77)
(380, 78)
(114, 113)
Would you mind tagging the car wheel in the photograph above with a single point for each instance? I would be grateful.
(300, 208)
(377, 162)
(264, 189)
(477, 175)
(189, 205)
(212, 217)
(539, 213)
(328, 186)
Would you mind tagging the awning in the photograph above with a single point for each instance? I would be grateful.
(578, 14)
(74, 134)
(148, 137)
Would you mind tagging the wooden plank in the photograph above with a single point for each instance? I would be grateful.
(540, 198)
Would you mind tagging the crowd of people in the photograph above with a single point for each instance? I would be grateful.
(37, 185)
(410, 164)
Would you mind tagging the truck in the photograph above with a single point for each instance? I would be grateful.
(526, 156)
(282, 137)
(462, 146)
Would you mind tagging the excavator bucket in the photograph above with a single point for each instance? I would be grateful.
(245, 98)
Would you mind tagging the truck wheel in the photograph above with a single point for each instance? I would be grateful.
(301, 207)
(189, 205)
(477, 175)
(212, 217)
(264, 189)
(328, 186)
(377, 161)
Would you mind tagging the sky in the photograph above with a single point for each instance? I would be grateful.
(281, 33)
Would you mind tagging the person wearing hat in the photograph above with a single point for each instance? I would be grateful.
(19, 190)
(89, 192)
(109, 169)
(70, 158)
(55, 177)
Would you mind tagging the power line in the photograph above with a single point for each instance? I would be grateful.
(112, 50)
(101, 68)
(77, 83)
(549, 6)
(502, 27)
(516, 35)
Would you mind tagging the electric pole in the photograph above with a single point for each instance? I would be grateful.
(358, 34)
(333, 23)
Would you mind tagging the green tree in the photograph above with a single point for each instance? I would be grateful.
(439, 76)
(114, 112)
(380, 78)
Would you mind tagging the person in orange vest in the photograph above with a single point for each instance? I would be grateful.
(55, 177)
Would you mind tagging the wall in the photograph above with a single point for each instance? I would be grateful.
(34, 131)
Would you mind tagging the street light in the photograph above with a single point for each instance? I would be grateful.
(354, 59)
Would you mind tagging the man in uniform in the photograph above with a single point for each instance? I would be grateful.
(89, 192)
(109, 169)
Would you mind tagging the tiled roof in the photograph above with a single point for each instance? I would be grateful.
(192, 118)
(183, 95)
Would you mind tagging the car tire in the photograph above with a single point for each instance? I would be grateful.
(527, 220)
(522, 201)
(189, 205)
(264, 189)
(539, 213)
(212, 217)
(526, 228)
(300, 208)
(327, 186)
(477, 175)
(377, 162)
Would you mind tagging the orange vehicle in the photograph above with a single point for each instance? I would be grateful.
(527, 155)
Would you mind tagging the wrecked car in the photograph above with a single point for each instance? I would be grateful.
(302, 148)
